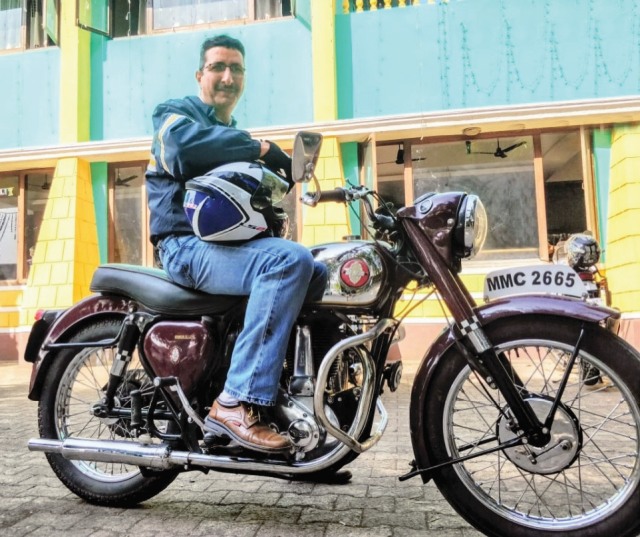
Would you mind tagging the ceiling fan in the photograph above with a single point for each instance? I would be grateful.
(46, 185)
(125, 180)
(400, 157)
(499, 152)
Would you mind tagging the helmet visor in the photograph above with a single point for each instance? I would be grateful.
(271, 190)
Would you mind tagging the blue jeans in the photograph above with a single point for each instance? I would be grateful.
(278, 276)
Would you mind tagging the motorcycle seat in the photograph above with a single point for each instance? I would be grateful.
(152, 288)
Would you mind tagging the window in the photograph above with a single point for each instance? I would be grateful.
(29, 23)
(177, 13)
(128, 226)
(529, 207)
(128, 18)
(122, 18)
(23, 197)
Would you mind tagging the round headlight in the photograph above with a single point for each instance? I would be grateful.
(472, 227)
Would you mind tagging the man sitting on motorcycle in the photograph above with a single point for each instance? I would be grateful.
(192, 136)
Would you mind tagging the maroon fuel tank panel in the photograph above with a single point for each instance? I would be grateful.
(179, 349)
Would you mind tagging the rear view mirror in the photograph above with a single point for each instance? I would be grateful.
(306, 149)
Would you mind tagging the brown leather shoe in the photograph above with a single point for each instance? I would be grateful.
(243, 425)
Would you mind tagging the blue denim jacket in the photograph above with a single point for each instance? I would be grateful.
(188, 141)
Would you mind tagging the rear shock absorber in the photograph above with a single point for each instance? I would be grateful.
(126, 347)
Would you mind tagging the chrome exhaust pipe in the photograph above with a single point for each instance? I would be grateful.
(113, 451)
(162, 457)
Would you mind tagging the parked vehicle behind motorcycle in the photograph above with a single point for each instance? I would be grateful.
(123, 378)
(581, 252)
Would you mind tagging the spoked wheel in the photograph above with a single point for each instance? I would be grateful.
(585, 480)
(76, 382)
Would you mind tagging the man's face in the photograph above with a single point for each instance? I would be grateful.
(221, 80)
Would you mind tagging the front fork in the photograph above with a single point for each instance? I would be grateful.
(474, 343)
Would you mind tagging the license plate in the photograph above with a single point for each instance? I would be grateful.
(536, 279)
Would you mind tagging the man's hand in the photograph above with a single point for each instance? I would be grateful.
(278, 161)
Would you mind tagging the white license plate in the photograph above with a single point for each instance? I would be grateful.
(549, 279)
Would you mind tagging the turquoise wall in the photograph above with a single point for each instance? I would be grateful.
(140, 72)
(466, 54)
(29, 98)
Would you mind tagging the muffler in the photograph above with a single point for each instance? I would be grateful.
(150, 456)
(162, 457)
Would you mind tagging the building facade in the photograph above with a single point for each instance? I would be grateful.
(533, 105)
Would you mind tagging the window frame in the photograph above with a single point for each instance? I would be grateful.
(588, 177)
(148, 20)
(22, 270)
(147, 247)
(47, 39)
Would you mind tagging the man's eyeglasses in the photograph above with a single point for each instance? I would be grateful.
(220, 67)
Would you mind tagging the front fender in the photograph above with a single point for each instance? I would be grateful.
(65, 326)
(489, 313)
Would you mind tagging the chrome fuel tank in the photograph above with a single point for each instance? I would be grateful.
(356, 272)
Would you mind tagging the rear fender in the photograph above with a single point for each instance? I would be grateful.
(67, 324)
(489, 313)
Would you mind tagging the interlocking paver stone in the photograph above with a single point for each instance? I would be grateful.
(374, 504)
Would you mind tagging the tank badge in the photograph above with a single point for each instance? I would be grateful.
(355, 273)
(174, 355)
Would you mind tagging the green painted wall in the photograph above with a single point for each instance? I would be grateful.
(29, 98)
(350, 172)
(99, 178)
(467, 54)
(601, 141)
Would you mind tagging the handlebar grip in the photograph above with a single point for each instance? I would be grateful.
(337, 195)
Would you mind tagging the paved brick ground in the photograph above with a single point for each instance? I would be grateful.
(375, 504)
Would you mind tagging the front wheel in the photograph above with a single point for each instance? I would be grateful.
(76, 381)
(585, 480)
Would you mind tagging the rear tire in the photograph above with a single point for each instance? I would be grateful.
(585, 482)
(76, 380)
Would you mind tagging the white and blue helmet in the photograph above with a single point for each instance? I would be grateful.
(234, 202)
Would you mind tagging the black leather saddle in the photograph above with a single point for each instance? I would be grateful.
(152, 288)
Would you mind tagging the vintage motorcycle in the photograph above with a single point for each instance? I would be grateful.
(500, 418)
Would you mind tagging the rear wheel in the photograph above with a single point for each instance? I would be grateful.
(585, 480)
(76, 381)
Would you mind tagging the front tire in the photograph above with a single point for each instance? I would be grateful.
(77, 380)
(585, 481)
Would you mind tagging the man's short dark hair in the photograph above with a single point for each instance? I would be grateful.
(219, 41)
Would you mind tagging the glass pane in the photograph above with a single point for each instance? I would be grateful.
(267, 9)
(94, 15)
(175, 13)
(128, 220)
(37, 194)
(9, 191)
(51, 25)
(10, 24)
(128, 18)
(564, 193)
(501, 173)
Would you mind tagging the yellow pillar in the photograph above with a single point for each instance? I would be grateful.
(66, 252)
(623, 235)
(327, 222)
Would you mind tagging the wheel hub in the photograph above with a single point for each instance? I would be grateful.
(565, 440)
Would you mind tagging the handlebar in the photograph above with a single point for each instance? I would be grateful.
(343, 195)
